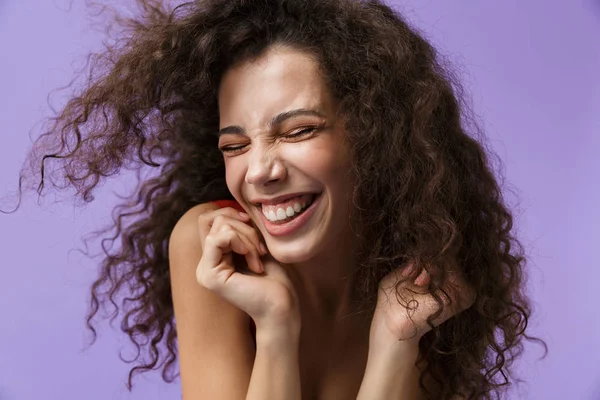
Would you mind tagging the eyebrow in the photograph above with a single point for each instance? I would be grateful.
(277, 120)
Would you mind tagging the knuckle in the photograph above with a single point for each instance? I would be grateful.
(226, 227)
(219, 219)
(210, 239)
(204, 280)
(200, 277)
(206, 283)
(229, 233)
(254, 235)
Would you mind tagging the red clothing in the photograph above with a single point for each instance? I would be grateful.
(228, 203)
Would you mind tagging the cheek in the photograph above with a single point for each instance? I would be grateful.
(319, 157)
(330, 165)
(234, 169)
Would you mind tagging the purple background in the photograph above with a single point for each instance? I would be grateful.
(533, 71)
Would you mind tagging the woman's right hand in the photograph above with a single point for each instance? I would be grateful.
(265, 291)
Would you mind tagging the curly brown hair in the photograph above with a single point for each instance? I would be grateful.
(425, 186)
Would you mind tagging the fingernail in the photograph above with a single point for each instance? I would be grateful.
(407, 270)
(423, 279)
(263, 248)
(243, 214)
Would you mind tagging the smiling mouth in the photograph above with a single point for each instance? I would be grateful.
(280, 216)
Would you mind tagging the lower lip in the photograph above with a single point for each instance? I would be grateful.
(291, 226)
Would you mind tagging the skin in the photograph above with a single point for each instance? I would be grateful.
(305, 282)
(268, 162)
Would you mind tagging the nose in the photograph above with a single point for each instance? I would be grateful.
(264, 167)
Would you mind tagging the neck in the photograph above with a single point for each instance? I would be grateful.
(324, 283)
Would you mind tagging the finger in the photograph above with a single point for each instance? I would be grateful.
(254, 262)
(206, 220)
(413, 277)
(252, 256)
(408, 269)
(461, 292)
(246, 230)
(216, 264)
(455, 297)
(423, 279)
(218, 273)
(222, 243)
(431, 306)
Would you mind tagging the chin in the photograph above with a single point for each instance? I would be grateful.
(287, 255)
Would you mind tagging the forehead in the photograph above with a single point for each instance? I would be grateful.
(282, 79)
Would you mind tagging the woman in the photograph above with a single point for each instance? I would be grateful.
(374, 257)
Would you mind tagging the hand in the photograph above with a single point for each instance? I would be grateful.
(264, 290)
(404, 317)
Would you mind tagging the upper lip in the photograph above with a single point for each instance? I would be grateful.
(278, 199)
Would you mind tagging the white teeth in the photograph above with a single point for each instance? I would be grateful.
(281, 214)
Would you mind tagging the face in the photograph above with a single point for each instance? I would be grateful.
(279, 137)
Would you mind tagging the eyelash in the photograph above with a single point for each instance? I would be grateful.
(302, 132)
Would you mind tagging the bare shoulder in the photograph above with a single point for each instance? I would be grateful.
(188, 223)
(216, 350)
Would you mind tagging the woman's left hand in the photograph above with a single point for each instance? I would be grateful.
(403, 318)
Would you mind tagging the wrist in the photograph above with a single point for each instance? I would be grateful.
(276, 373)
(391, 372)
(284, 332)
(382, 337)
(387, 343)
(400, 353)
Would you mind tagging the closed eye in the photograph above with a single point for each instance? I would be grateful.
(300, 133)
(231, 149)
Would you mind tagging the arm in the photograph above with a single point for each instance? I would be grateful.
(391, 372)
(396, 330)
(215, 349)
(215, 346)
(276, 373)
